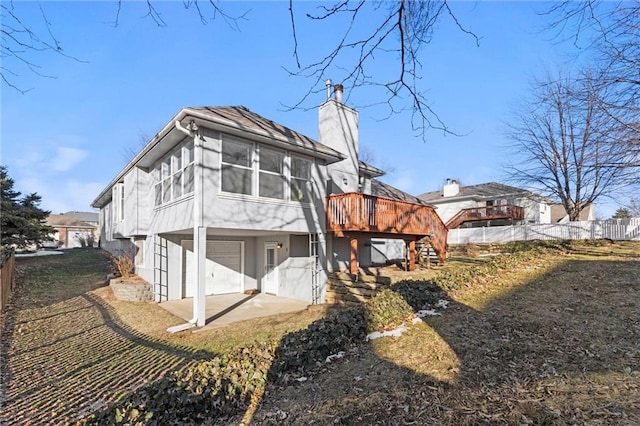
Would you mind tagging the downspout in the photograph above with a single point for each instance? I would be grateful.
(199, 232)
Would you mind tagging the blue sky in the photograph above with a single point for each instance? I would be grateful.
(66, 138)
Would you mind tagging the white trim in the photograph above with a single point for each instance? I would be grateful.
(276, 273)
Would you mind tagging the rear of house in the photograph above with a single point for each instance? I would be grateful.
(223, 200)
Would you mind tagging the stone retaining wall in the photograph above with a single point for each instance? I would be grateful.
(345, 289)
(138, 291)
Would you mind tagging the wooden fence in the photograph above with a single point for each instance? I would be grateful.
(613, 229)
(7, 263)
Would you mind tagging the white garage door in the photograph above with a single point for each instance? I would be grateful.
(224, 267)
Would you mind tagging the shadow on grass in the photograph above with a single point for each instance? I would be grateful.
(58, 367)
(559, 349)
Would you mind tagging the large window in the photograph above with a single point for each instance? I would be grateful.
(272, 173)
(174, 174)
(272, 181)
(237, 168)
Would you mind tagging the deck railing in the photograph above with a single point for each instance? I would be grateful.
(356, 212)
(486, 213)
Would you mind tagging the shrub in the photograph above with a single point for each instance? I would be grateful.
(418, 293)
(386, 311)
(124, 264)
(304, 349)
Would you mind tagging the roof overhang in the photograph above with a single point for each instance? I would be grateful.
(169, 136)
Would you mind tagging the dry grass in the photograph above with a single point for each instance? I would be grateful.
(555, 342)
(150, 319)
(68, 347)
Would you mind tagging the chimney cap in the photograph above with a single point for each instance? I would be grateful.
(338, 88)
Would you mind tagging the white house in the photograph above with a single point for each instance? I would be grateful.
(224, 200)
(487, 204)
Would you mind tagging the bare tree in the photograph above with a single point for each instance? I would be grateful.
(367, 31)
(609, 33)
(25, 36)
(129, 152)
(399, 29)
(565, 145)
(21, 44)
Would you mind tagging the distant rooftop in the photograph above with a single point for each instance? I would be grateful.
(482, 190)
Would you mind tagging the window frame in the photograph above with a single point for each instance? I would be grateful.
(175, 167)
(251, 160)
(281, 175)
(257, 149)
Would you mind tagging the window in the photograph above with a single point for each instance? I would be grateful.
(117, 198)
(300, 177)
(237, 171)
(174, 174)
(272, 173)
(139, 256)
(272, 179)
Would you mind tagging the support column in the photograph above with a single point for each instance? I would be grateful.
(199, 230)
(412, 255)
(353, 268)
(200, 255)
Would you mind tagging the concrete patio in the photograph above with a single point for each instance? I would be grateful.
(222, 310)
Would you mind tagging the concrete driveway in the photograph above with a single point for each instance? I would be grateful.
(222, 310)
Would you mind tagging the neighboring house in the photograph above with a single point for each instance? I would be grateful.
(487, 204)
(70, 232)
(223, 200)
(560, 215)
(92, 218)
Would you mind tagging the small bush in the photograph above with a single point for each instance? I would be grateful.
(124, 264)
(302, 350)
(418, 293)
(386, 311)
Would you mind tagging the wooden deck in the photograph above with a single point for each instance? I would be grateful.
(353, 214)
(475, 214)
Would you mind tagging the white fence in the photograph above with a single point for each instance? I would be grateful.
(613, 229)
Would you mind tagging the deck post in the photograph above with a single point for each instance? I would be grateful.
(412, 255)
(353, 267)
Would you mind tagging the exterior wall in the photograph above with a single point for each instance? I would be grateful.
(297, 268)
(144, 257)
(115, 246)
(383, 250)
(221, 211)
(534, 211)
(447, 209)
(338, 129)
(341, 253)
(236, 211)
(138, 186)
